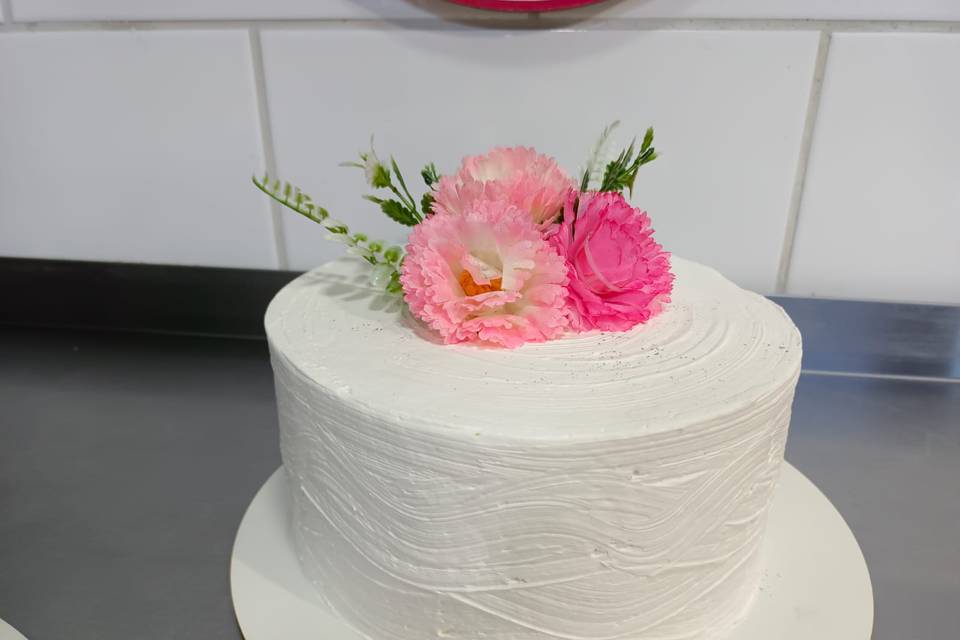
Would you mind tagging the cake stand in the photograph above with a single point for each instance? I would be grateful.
(9, 633)
(814, 583)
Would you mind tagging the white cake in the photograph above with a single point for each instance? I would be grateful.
(599, 487)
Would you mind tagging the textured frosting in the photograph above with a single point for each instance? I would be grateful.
(599, 487)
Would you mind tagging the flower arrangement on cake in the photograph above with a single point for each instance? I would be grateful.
(510, 249)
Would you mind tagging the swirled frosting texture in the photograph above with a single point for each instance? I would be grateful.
(599, 487)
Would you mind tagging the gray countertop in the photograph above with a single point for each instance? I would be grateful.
(127, 461)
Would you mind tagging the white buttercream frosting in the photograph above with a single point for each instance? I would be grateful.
(603, 486)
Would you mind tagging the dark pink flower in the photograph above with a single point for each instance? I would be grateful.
(618, 275)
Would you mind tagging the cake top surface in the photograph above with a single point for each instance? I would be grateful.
(713, 351)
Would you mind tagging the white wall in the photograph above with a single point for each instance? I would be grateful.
(808, 147)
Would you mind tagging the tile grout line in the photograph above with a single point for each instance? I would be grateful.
(803, 161)
(879, 376)
(266, 143)
(521, 21)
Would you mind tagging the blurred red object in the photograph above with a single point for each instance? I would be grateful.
(525, 5)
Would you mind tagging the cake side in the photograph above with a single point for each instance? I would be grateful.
(577, 526)
(712, 352)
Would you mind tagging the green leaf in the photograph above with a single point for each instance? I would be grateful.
(426, 203)
(293, 198)
(647, 140)
(409, 202)
(381, 177)
(394, 286)
(398, 212)
(393, 255)
(300, 202)
(598, 151)
(430, 175)
(621, 173)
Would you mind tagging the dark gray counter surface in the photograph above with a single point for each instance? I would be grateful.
(127, 461)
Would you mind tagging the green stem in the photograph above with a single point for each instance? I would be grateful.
(373, 252)
(306, 213)
(403, 199)
(396, 172)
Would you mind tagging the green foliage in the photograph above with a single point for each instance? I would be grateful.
(394, 286)
(393, 255)
(372, 251)
(292, 198)
(375, 173)
(403, 208)
(430, 176)
(621, 173)
(591, 171)
(396, 210)
(426, 203)
(380, 177)
(403, 185)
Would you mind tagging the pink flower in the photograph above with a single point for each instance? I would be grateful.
(486, 276)
(619, 276)
(519, 175)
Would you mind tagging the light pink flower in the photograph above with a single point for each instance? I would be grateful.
(485, 276)
(532, 182)
(619, 276)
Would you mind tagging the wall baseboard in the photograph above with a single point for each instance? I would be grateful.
(840, 336)
(137, 297)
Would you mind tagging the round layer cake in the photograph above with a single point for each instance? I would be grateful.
(597, 487)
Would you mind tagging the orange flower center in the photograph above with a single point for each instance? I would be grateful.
(471, 288)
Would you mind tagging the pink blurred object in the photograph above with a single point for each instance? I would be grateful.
(525, 5)
(516, 175)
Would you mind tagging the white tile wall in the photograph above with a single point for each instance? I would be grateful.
(719, 194)
(778, 9)
(39, 10)
(137, 144)
(130, 146)
(43, 10)
(881, 210)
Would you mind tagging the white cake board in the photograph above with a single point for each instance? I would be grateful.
(9, 633)
(815, 583)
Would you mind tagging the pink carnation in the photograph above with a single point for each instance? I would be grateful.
(486, 276)
(520, 176)
(619, 276)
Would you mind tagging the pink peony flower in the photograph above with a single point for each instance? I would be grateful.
(519, 175)
(619, 276)
(486, 276)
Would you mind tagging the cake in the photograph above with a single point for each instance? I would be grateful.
(559, 430)
(598, 486)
